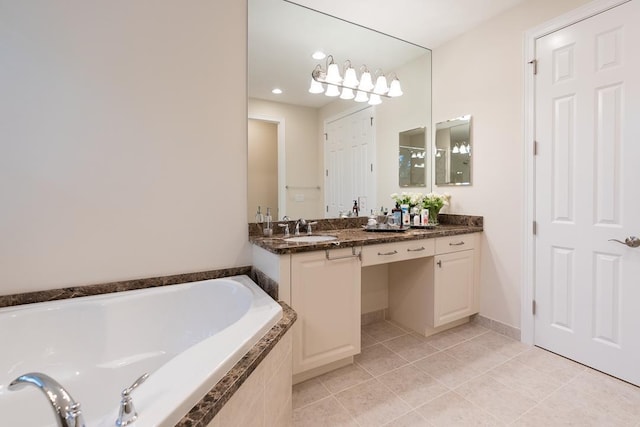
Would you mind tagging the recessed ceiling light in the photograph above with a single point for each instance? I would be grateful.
(318, 55)
(276, 91)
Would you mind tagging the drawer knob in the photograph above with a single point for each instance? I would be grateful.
(460, 243)
(388, 253)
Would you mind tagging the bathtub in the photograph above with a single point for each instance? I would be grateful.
(186, 336)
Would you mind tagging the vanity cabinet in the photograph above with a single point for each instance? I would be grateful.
(325, 292)
(428, 294)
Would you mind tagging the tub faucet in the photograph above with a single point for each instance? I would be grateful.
(128, 413)
(68, 413)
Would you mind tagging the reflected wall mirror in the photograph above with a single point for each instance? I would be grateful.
(453, 148)
(319, 170)
(413, 157)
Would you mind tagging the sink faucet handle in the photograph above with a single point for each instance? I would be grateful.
(286, 228)
(309, 224)
(128, 413)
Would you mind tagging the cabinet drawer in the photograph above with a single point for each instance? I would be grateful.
(461, 242)
(392, 252)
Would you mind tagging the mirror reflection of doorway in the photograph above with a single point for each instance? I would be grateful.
(262, 168)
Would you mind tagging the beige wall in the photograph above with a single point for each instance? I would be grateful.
(302, 165)
(481, 73)
(262, 176)
(123, 148)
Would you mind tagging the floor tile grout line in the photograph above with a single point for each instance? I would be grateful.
(315, 401)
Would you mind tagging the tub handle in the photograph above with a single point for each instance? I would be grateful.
(128, 413)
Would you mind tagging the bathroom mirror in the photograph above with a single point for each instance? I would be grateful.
(413, 157)
(453, 152)
(282, 36)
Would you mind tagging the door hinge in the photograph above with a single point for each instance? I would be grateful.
(535, 228)
(535, 148)
(327, 208)
(533, 307)
(326, 136)
(326, 172)
(371, 167)
(371, 121)
(534, 62)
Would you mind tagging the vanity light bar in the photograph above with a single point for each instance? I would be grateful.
(364, 88)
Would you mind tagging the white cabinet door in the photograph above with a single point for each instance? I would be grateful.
(453, 287)
(326, 295)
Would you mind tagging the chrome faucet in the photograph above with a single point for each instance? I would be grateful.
(302, 222)
(128, 413)
(68, 413)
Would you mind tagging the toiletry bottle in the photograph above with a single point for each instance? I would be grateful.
(406, 217)
(355, 208)
(397, 215)
(259, 216)
(268, 231)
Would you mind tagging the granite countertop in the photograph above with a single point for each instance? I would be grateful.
(350, 237)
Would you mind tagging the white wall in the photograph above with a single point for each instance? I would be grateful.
(123, 140)
(481, 73)
(302, 165)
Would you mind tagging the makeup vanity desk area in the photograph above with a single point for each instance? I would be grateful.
(432, 275)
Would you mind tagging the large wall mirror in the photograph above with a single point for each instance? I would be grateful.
(312, 155)
(453, 151)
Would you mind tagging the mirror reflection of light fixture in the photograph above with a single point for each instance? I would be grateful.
(366, 90)
(455, 149)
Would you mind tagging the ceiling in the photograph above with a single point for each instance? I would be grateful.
(283, 35)
(428, 23)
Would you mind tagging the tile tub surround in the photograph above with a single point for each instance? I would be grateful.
(349, 237)
(468, 375)
(209, 406)
(205, 410)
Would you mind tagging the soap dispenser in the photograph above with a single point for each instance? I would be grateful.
(268, 230)
(259, 216)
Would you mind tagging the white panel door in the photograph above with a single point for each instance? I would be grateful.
(587, 287)
(349, 162)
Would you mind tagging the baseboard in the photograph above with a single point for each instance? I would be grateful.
(496, 326)
(373, 316)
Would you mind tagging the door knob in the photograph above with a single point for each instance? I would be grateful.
(631, 241)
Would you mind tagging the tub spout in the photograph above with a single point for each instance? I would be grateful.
(68, 413)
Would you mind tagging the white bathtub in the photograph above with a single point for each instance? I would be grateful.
(186, 336)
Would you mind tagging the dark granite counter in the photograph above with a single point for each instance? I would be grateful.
(450, 225)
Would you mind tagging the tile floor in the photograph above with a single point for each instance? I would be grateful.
(467, 376)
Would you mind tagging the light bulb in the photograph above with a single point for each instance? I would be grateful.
(333, 74)
(361, 97)
(374, 99)
(332, 90)
(395, 89)
(381, 86)
(350, 78)
(365, 82)
(316, 87)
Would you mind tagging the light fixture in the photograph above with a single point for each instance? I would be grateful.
(463, 149)
(455, 149)
(332, 91)
(364, 87)
(276, 91)
(316, 87)
(347, 93)
(318, 54)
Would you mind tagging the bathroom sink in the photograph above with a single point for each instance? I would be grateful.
(310, 239)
